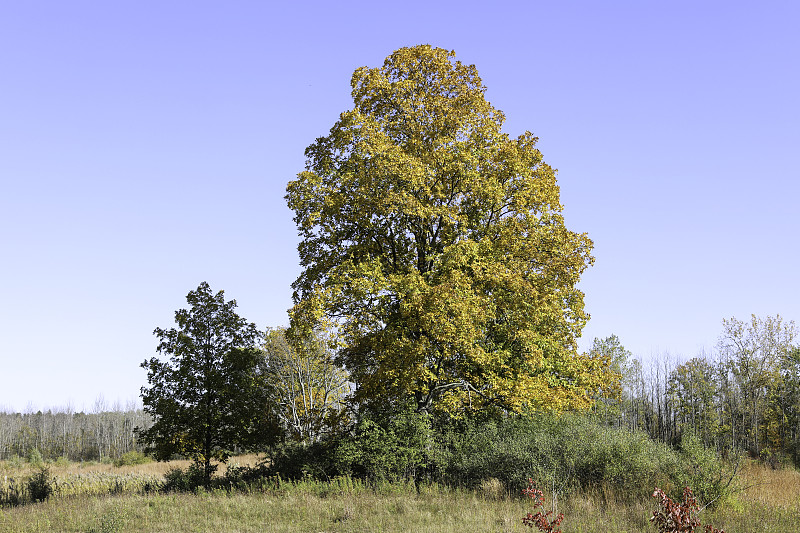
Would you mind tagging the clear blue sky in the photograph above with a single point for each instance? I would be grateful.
(145, 147)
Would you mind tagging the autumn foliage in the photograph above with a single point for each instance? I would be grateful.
(676, 517)
(541, 518)
(437, 245)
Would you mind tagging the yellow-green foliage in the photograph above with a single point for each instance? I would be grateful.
(438, 245)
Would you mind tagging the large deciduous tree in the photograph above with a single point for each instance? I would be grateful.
(437, 245)
(208, 397)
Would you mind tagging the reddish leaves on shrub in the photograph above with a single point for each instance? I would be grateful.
(541, 519)
(678, 517)
(672, 518)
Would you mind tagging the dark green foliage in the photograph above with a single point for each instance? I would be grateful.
(241, 478)
(188, 480)
(40, 485)
(395, 450)
(570, 451)
(387, 448)
(209, 396)
(296, 460)
(561, 452)
(245, 477)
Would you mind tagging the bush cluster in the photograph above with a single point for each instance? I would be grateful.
(497, 454)
(36, 488)
(703, 469)
(133, 457)
(563, 453)
(40, 484)
(180, 480)
(394, 448)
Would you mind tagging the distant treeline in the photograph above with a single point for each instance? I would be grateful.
(76, 436)
(746, 396)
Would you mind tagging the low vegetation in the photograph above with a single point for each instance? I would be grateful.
(471, 479)
(767, 501)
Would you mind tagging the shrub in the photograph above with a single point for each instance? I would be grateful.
(295, 460)
(626, 460)
(16, 462)
(40, 485)
(678, 517)
(541, 519)
(703, 469)
(245, 477)
(390, 452)
(390, 448)
(564, 452)
(35, 457)
(133, 457)
(471, 451)
(189, 480)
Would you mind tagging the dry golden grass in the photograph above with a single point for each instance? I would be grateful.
(436, 511)
(772, 488)
(93, 479)
(153, 468)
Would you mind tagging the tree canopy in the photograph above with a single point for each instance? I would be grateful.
(436, 243)
(208, 397)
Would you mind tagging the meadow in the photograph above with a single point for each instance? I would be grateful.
(769, 500)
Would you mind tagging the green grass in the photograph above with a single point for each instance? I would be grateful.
(771, 503)
(282, 512)
(388, 509)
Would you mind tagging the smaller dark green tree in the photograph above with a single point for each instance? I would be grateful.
(209, 397)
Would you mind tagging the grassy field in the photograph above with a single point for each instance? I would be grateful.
(67, 468)
(770, 502)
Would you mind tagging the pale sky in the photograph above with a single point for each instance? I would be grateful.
(145, 147)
